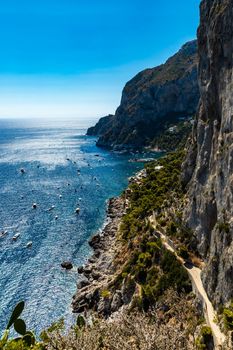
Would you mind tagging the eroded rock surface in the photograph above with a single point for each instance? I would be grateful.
(208, 169)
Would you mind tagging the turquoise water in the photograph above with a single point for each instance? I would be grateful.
(62, 169)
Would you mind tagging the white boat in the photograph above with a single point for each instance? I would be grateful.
(77, 210)
(29, 244)
(16, 236)
(3, 233)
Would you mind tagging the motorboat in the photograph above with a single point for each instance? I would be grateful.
(16, 236)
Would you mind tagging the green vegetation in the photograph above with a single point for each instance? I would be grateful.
(151, 266)
(176, 229)
(205, 338)
(150, 195)
(105, 293)
(174, 137)
(183, 252)
(228, 317)
(25, 340)
(224, 226)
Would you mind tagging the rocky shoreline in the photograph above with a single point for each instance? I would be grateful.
(100, 269)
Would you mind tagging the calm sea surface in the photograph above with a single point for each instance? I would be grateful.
(62, 169)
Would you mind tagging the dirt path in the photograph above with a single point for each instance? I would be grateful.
(195, 276)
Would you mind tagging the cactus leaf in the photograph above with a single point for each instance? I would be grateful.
(27, 338)
(16, 313)
(20, 326)
(30, 334)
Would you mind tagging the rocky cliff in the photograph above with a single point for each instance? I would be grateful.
(208, 170)
(150, 100)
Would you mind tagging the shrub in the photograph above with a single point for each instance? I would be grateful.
(105, 294)
(224, 226)
(228, 318)
(183, 252)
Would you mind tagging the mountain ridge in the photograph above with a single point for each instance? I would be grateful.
(149, 100)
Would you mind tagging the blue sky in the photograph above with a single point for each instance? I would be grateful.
(71, 58)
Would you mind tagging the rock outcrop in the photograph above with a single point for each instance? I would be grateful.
(208, 170)
(103, 125)
(100, 270)
(150, 100)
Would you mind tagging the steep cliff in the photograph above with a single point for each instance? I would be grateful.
(150, 100)
(103, 125)
(208, 169)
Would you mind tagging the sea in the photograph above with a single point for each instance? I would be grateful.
(54, 165)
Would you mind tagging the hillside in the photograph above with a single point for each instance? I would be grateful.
(152, 99)
(161, 273)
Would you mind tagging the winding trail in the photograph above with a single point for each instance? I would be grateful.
(195, 276)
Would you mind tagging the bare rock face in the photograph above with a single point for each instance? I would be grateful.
(208, 169)
(152, 98)
(102, 126)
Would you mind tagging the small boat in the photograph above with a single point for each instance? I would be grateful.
(16, 236)
(34, 205)
(60, 196)
(3, 233)
(52, 207)
(56, 217)
(29, 244)
(77, 210)
(22, 171)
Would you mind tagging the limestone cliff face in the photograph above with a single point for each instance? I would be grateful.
(208, 169)
(151, 98)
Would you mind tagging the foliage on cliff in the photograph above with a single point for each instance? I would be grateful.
(150, 265)
(174, 137)
(153, 193)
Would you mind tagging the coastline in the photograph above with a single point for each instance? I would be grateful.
(100, 269)
(103, 267)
